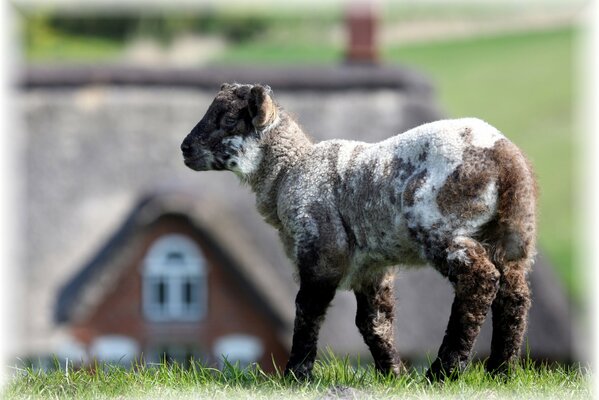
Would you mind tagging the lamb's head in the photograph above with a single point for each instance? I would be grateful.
(229, 135)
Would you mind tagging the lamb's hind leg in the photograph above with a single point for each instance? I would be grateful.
(476, 281)
(374, 319)
(510, 310)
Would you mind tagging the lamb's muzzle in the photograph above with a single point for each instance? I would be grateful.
(454, 194)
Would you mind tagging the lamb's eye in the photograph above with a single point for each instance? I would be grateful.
(229, 121)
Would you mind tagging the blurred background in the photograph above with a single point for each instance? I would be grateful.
(128, 253)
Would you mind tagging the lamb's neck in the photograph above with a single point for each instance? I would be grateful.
(282, 148)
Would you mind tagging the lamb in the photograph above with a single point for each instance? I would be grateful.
(453, 194)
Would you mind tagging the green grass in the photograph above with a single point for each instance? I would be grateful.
(330, 376)
(60, 49)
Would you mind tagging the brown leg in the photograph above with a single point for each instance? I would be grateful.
(510, 311)
(374, 319)
(476, 282)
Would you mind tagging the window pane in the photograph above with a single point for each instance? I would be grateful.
(190, 293)
(162, 293)
(191, 296)
(187, 293)
(175, 257)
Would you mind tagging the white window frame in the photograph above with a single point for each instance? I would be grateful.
(114, 349)
(159, 265)
(242, 349)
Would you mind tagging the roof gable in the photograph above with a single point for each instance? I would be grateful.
(90, 284)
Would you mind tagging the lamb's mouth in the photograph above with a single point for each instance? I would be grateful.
(196, 163)
(203, 163)
(217, 165)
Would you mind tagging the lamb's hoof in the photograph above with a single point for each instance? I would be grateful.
(300, 373)
(396, 370)
(441, 371)
(436, 372)
(393, 366)
(498, 369)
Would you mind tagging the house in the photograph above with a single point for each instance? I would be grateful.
(168, 285)
(98, 254)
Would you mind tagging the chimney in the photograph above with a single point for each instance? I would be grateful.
(361, 22)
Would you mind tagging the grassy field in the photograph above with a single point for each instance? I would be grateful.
(58, 49)
(333, 378)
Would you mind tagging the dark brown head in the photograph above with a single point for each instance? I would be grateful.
(228, 136)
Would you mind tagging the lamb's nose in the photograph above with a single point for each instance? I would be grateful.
(187, 149)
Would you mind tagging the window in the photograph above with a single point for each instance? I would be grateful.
(174, 280)
(182, 354)
(114, 350)
(238, 349)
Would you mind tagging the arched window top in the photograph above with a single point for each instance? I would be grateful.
(174, 254)
(174, 280)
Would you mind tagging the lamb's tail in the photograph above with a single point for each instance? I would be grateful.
(514, 236)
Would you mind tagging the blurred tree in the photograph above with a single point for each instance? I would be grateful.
(113, 27)
(38, 28)
(233, 27)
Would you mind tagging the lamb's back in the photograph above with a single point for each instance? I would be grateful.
(362, 190)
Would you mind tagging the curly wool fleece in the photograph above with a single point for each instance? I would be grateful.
(455, 194)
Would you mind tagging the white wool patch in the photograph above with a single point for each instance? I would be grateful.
(426, 208)
(445, 133)
(462, 241)
(249, 161)
(484, 135)
(249, 157)
(345, 152)
(459, 255)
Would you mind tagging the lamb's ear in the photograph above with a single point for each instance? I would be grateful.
(261, 106)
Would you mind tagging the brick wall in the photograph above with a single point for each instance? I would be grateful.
(231, 308)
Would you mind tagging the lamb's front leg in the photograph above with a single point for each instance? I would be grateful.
(311, 304)
(374, 319)
(476, 281)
